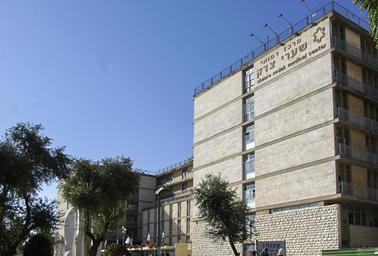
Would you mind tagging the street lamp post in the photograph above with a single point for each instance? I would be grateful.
(157, 193)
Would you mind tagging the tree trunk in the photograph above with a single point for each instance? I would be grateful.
(94, 248)
(233, 247)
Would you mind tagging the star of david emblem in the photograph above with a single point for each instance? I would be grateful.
(319, 34)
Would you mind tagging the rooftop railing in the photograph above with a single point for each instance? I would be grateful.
(142, 171)
(270, 43)
(174, 166)
(358, 119)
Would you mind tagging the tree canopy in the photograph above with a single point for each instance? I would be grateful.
(99, 190)
(372, 8)
(220, 207)
(39, 245)
(27, 161)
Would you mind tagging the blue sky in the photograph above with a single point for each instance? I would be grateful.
(109, 78)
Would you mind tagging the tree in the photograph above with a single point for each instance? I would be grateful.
(99, 191)
(220, 207)
(39, 245)
(27, 161)
(372, 8)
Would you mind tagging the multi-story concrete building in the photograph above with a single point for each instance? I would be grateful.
(175, 205)
(293, 127)
(70, 233)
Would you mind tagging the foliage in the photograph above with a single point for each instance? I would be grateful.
(221, 208)
(99, 191)
(117, 250)
(372, 8)
(39, 245)
(27, 161)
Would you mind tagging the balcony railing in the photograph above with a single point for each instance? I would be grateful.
(175, 166)
(356, 85)
(358, 191)
(270, 43)
(358, 119)
(363, 56)
(357, 154)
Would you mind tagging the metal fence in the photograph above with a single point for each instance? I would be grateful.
(356, 85)
(356, 52)
(270, 43)
(357, 154)
(358, 191)
(174, 166)
(358, 119)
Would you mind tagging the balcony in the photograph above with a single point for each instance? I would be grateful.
(363, 56)
(357, 154)
(356, 85)
(358, 191)
(357, 119)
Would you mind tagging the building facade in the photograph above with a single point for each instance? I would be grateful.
(175, 205)
(293, 127)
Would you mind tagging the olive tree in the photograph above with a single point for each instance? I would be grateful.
(220, 207)
(27, 161)
(99, 191)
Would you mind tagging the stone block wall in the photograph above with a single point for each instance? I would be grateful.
(205, 245)
(307, 232)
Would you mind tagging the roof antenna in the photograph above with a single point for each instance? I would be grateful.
(266, 25)
(311, 13)
(281, 15)
(258, 39)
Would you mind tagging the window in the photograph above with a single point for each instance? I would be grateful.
(179, 210)
(188, 226)
(249, 108)
(249, 137)
(338, 30)
(184, 174)
(179, 231)
(356, 216)
(367, 45)
(170, 222)
(249, 194)
(249, 166)
(372, 181)
(369, 77)
(371, 110)
(341, 100)
(344, 178)
(342, 136)
(184, 186)
(188, 208)
(339, 64)
(249, 79)
(250, 224)
(371, 144)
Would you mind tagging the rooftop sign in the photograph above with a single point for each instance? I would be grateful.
(310, 43)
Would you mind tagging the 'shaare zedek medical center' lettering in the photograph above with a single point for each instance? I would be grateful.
(290, 55)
